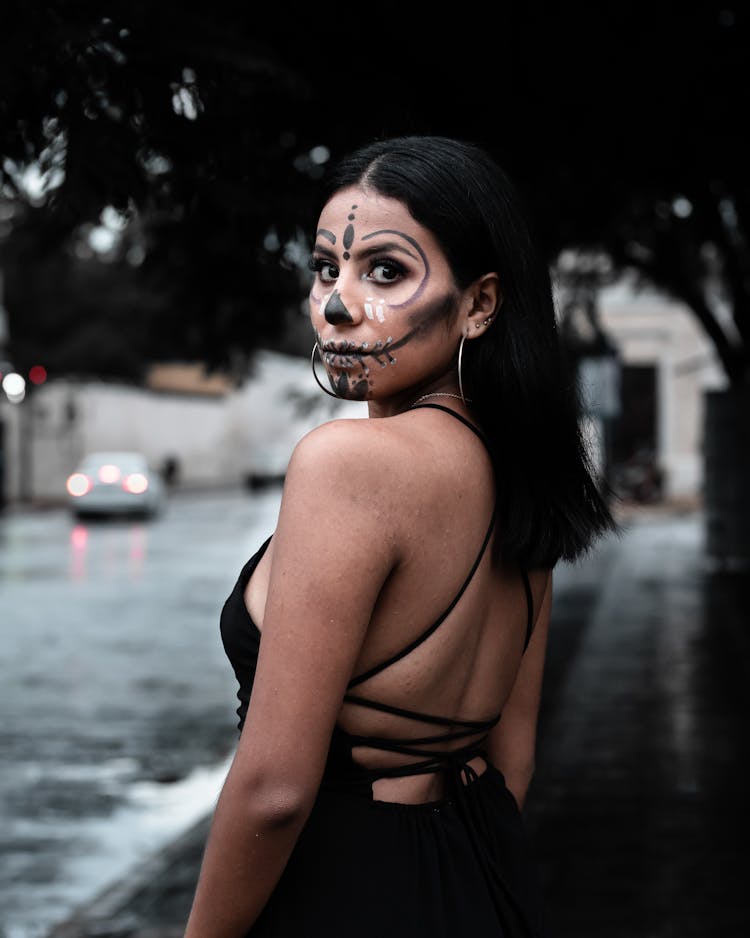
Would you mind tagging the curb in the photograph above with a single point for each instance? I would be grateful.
(158, 891)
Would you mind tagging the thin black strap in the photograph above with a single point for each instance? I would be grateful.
(386, 743)
(414, 715)
(376, 669)
(248, 569)
(464, 421)
(529, 606)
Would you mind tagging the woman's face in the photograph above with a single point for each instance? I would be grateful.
(383, 303)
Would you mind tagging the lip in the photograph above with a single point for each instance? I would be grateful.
(340, 359)
(345, 347)
(345, 353)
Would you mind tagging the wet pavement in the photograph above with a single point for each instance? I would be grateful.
(637, 811)
(117, 703)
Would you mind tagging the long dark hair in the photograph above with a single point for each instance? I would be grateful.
(522, 387)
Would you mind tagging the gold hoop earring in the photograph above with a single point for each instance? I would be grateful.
(460, 357)
(315, 374)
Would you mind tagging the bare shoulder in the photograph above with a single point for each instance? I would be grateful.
(359, 479)
(339, 506)
(356, 456)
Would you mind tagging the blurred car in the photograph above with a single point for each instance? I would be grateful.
(115, 483)
(268, 465)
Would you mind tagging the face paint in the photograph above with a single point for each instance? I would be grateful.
(374, 309)
(402, 292)
(354, 381)
(376, 242)
(335, 311)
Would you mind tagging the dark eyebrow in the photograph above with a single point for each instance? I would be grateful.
(325, 233)
(396, 246)
(324, 251)
(387, 246)
(367, 252)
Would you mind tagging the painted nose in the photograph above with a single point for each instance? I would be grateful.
(335, 312)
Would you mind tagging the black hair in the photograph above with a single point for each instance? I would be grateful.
(521, 383)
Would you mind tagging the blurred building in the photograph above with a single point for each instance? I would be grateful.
(664, 366)
(199, 430)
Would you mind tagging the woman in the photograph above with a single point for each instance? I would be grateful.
(404, 598)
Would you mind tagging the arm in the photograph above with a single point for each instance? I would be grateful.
(512, 743)
(332, 553)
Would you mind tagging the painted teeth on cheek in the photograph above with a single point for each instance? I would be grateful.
(375, 311)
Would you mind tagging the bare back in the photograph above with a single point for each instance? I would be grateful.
(441, 517)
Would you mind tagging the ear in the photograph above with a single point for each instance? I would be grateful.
(485, 299)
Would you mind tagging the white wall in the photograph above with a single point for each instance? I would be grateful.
(650, 329)
(218, 440)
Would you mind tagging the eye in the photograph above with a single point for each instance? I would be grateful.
(326, 270)
(386, 271)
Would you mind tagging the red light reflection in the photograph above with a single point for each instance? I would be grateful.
(79, 537)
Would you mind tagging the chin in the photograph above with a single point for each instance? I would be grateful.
(350, 390)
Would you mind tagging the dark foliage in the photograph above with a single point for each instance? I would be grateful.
(622, 125)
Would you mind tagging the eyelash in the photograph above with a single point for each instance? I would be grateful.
(319, 264)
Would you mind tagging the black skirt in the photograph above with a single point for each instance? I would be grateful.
(373, 869)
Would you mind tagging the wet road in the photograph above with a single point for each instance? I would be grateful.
(638, 810)
(117, 700)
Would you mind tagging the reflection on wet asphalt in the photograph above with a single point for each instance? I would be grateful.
(114, 683)
(639, 808)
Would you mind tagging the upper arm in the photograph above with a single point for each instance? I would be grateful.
(512, 742)
(334, 547)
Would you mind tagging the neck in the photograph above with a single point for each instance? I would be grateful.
(458, 397)
(404, 402)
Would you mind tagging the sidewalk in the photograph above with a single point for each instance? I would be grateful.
(638, 808)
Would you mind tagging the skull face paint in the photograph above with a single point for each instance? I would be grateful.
(382, 287)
